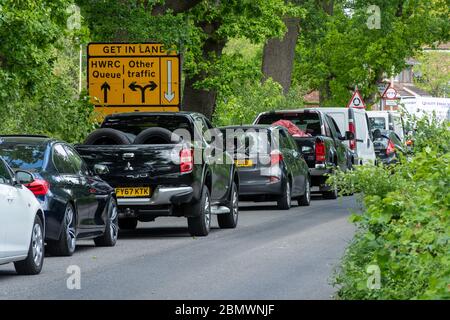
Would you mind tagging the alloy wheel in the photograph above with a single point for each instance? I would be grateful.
(114, 223)
(37, 244)
(207, 210)
(70, 229)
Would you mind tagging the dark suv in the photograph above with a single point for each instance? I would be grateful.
(76, 203)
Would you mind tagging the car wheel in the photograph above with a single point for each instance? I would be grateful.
(66, 244)
(35, 259)
(332, 194)
(109, 238)
(200, 225)
(128, 223)
(230, 220)
(305, 200)
(284, 203)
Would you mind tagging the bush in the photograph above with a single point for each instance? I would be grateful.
(405, 227)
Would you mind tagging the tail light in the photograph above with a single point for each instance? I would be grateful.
(38, 187)
(186, 160)
(275, 157)
(351, 128)
(390, 148)
(320, 151)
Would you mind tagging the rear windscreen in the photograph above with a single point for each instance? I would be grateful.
(248, 141)
(378, 123)
(308, 122)
(136, 124)
(23, 156)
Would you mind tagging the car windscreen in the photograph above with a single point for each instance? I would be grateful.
(308, 122)
(23, 156)
(378, 123)
(136, 124)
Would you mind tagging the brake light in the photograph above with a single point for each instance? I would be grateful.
(186, 160)
(390, 148)
(38, 187)
(275, 157)
(320, 151)
(351, 128)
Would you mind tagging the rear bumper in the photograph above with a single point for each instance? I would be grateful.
(161, 196)
(318, 175)
(260, 191)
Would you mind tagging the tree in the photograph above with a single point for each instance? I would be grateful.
(337, 51)
(198, 29)
(278, 57)
(36, 86)
(434, 73)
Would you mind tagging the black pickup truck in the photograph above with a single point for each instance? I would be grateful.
(322, 146)
(161, 164)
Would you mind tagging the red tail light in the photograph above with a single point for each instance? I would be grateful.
(351, 128)
(186, 160)
(38, 187)
(390, 148)
(275, 157)
(320, 151)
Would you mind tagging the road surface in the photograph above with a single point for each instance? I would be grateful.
(272, 254)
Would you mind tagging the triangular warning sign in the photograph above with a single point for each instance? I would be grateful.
(356, 101)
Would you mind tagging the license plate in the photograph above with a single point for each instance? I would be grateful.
(244, 163)
(132, 192)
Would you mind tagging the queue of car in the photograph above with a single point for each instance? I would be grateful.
(140, 166)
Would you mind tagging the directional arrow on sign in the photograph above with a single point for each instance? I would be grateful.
(169, 95)
(152, 86)
(105, 88)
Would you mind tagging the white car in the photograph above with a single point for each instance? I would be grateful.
(21, 222)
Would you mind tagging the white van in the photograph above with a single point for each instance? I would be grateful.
(387, 120)
(356, 121)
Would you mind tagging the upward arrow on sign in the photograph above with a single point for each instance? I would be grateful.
(105, 88)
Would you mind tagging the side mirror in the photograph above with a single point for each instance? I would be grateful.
(101, 169)
(349, 135)
(376, 134)
(24, 177)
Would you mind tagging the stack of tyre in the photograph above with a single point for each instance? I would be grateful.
(107, 136)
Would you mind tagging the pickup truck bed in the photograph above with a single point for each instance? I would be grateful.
(323, 149)
(156, 176)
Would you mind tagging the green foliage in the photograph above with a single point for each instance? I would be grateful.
(434, 71)
(38, 93)
(338, 51)
(405, 227)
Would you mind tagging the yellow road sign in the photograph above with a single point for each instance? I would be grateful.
(133, 75)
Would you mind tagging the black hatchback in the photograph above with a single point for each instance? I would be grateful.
(77, 204)
(270, 165)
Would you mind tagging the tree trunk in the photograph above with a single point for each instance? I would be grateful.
(278, 55)
(202, 100)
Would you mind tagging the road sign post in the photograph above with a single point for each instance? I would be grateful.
(125, 77)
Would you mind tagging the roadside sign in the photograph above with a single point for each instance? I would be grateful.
(356, 101)
(382, 87)
(133, 76)
(391, 102)
(390, 94)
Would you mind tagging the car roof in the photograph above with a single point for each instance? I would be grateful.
(27, 139)
(137, 114)
(290, 111)
(249, 126)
